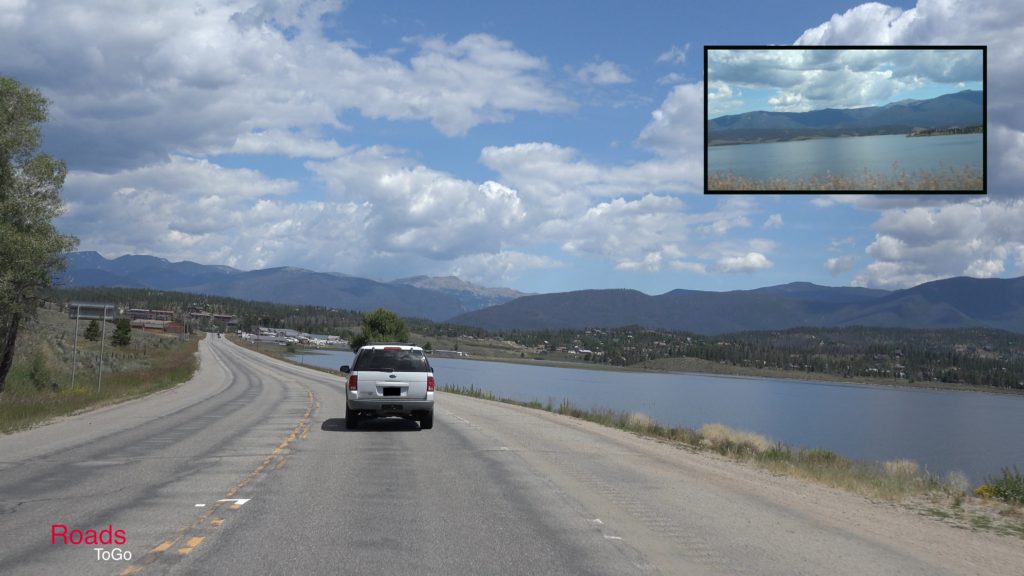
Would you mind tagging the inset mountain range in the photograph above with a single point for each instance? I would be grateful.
(963, 109)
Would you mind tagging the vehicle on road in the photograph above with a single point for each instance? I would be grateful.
(389, 380)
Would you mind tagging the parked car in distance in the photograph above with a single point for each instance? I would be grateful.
(389, 380)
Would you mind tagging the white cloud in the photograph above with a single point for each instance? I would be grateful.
(558, 178)
(749, 262)
(133, 82)
(501, 267)
(841, 264)
(415, 209)
(602, 73)
(676, 128)
(670, 78)
(675, 54)
(773, 221)
(814, 79)
(973, 238)
(192, 209)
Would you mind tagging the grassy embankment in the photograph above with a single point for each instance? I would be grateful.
(39, 383)
(998, 505)
(947, 179)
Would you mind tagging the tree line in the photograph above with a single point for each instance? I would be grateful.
(972, 356)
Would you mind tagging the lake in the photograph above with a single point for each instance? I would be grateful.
(977, 433)
(803, 159)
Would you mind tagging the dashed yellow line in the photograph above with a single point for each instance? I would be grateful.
(300, 430)
(164, 546)
(191, 544)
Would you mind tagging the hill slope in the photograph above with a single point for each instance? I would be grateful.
(434, 299)
(962, 109)
(955, 302)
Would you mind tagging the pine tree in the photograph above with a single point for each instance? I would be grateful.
(122, 332)
(92, 331)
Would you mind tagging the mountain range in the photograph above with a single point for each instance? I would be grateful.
(950, 303)
(960, 109)
(432, 298)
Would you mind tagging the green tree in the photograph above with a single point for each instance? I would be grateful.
(31, 249)
(122, 332)
(92, 331)
(381, 325)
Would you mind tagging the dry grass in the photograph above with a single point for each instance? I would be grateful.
(39, 387)
(941, 180)
(724, 439)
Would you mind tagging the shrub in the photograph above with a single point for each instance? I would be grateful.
(1009, 487)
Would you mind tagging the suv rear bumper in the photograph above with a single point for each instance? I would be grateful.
(391, 406)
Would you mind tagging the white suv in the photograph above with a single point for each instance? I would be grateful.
(390, 380)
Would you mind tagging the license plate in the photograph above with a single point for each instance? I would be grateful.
(392, 391)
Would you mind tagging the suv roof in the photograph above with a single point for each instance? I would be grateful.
(389, 345)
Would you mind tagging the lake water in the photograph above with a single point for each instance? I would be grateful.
(974, 432)
(804, 159)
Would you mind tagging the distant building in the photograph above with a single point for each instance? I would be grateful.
(91, 311)
(226, 319)
(142, 314)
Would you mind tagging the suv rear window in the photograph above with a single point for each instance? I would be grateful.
(382, 360)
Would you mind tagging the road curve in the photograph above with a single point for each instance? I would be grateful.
(248, 468)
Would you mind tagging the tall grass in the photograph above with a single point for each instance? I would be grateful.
(39, 387)
(945, 179)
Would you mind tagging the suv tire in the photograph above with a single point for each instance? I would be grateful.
(351, 419)
(427, 421)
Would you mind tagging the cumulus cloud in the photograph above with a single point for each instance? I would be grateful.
(415, 209)
(773, 221)
(602, 73)
(676, 128)
(500, 267)
(192, 209)
(675, 54)
(841, 264)
(206, 77)
(748, 262)
(974, 238)
(814, 79)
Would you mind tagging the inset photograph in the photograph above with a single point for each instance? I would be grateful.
(848, 119)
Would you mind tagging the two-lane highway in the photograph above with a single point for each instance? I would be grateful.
(248, 468)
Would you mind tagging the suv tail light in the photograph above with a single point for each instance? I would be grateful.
(430, 383)
(353, 382)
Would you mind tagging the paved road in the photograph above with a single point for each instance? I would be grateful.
(248, 469)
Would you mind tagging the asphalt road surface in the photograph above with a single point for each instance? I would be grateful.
(248, 469)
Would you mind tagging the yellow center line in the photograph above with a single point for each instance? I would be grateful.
(153, 554)
(191, 545)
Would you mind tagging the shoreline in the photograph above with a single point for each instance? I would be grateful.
(725, 372)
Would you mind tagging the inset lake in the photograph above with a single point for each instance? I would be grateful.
(849, 157)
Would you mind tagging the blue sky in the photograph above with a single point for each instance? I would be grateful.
(544, 146)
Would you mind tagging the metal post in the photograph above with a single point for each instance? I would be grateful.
(74, 355)
(99, 385)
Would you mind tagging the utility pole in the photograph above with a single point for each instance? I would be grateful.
(74, 355)
(99, 385)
